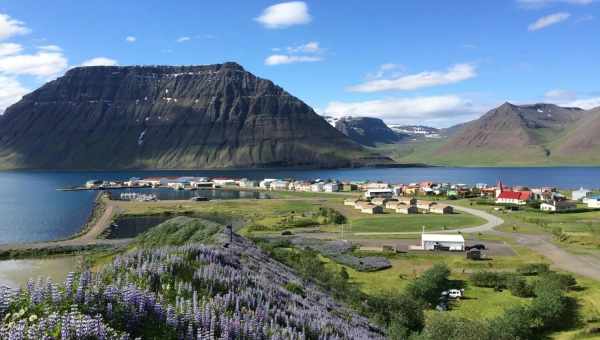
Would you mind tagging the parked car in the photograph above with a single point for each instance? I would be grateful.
(478, 246)
(456, 293)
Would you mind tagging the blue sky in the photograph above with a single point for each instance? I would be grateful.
(408, 62)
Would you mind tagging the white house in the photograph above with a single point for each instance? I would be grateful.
(580, 194)
(456, 242)
(266, 183)
(246, 183)
(198, 184)
(331, 187)
(558, 205)
(593, 203)
(317, 187)
(221, 182)
(279, 185)
(372, 193)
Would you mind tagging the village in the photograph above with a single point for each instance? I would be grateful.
(377, 196)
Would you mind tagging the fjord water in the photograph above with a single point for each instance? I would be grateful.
(31, 209)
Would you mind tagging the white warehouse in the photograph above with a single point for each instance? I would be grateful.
(456, 242)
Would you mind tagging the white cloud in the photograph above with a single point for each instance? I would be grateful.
(543, 3)
(11, 92)
(50, 48)
(279, 59)
(386, 70)
(130, 39)
(9, 49)
(284, 15)
(310, 47)
(183, 39)
(439, 110)
(586, 104)
(41, 64)
(100, 61)
(10, 27)
(560, 95)
(549, 20)
(454, 74)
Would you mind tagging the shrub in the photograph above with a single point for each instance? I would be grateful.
(294, 288)
(489, 279)
(533, 269)
(518, 286)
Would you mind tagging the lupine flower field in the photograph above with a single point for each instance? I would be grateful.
(222, 291)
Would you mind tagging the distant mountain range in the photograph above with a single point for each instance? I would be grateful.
(538, 134)
(169, 117)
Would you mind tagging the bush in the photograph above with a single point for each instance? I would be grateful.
(399, 313)
(533, 269)
(429, 286)
(489, 279)
(557, 281)
(332, 216)
(518, 286)
(442, 326)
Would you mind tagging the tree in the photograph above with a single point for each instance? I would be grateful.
(429, 286)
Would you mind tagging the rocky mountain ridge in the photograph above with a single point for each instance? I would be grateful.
(169, 117)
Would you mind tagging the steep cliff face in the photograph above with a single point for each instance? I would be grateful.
(367, 131)
(167, 117)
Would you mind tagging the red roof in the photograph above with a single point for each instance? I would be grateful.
(515, 195)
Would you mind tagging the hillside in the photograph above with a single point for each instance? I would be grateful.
(538, 134)
(367, 131)
(223, 290)
(169, 117)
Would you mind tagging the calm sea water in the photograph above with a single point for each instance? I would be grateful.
(32, 210)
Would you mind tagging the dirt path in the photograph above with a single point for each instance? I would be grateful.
(89, 238)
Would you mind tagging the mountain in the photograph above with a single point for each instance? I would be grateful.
(169, 117)
(538, 134)
(367, 131)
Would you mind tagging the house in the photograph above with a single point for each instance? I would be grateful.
(266, 183)
(455, 242)
(371, 209)
(593, 203)
(248, 184)
(377, 185)
(176, 185)
(391, 204)
(379, 200)
(348, 187)
(407, 200)
(372, 193)
(200, 184)
(441, 209)
(406, 209)
(300, 186)
(317, 187)
(358, 204)
(221, 182)
(279, 185)
(558, 205)
(580, 194)
(514, 197)
(350, 201)
(410, 190)
(331, 187)
(424, 205)
(397, 190)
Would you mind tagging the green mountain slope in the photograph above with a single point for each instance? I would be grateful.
(514, 135)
